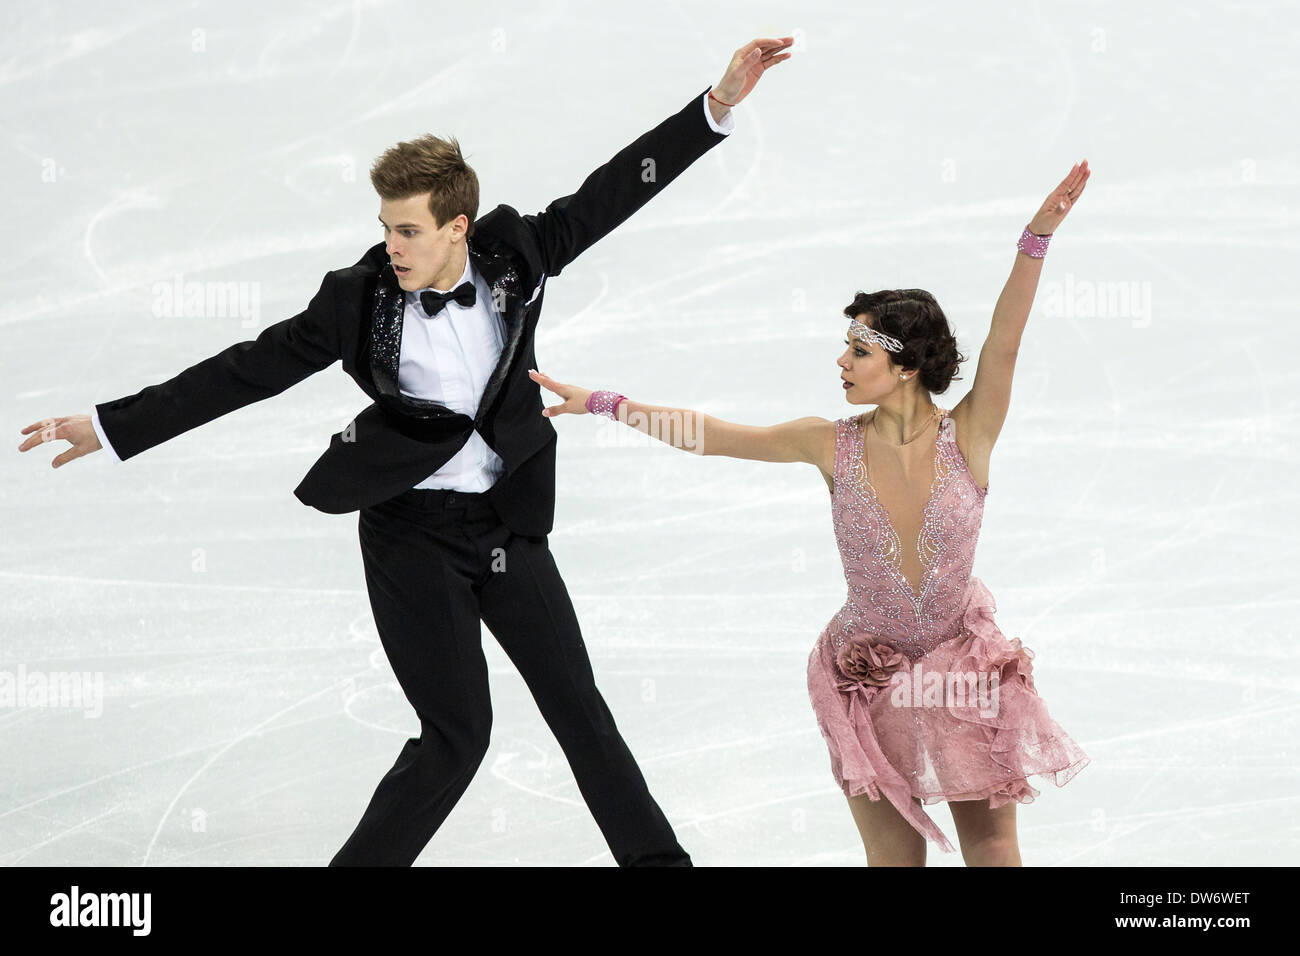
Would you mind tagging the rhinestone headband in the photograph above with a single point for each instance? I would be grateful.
(867, 334)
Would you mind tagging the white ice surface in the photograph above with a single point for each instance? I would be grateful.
(1140, 528)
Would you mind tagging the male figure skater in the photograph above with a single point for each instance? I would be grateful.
(452, 467)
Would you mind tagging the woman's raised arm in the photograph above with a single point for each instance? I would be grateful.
(985, 407)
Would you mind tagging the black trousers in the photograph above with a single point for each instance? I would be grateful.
(436, 562)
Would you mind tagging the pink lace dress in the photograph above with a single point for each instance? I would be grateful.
(916, 691)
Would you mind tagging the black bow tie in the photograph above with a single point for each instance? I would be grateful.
(434, 301)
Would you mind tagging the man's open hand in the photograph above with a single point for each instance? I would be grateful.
(747, 66)
(76, 429)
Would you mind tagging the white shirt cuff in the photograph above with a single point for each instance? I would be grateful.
(728, 122)
(99, 433)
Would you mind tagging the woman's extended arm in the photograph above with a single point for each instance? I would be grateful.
(985, 408)
(809, 439)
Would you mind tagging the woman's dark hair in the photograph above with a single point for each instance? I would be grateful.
(915, 319)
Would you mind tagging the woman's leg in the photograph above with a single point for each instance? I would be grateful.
(987, 837)
(888, 838)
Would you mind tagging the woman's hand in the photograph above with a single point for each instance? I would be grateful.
(1058, 205)
(575, 399)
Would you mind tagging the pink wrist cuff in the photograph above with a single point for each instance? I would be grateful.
(605, 403)
(1033, 245)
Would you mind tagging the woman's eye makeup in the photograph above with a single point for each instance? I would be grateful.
(856, 350)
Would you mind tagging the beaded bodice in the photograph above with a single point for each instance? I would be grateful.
(881, 601)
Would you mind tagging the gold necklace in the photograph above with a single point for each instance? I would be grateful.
(924, 426)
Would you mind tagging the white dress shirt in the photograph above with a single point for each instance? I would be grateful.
(448, 358)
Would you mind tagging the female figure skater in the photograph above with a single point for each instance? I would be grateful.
(918, 694)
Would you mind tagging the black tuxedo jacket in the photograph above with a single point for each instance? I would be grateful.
(395, 443)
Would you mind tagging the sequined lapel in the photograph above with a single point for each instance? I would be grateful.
(504, 281)
(386, 335)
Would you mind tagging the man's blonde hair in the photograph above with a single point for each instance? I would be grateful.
(432, 165)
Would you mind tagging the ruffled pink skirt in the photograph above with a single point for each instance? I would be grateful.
(974, 732)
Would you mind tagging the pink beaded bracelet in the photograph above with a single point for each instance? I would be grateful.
(605, 403)
(1033, 245)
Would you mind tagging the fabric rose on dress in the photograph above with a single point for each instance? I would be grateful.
(867, 664)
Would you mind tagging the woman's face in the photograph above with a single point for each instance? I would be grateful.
(866, 369)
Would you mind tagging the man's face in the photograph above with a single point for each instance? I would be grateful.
(417, 245)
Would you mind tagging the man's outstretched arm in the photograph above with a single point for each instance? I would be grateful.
(572, 224)
(246, 372)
